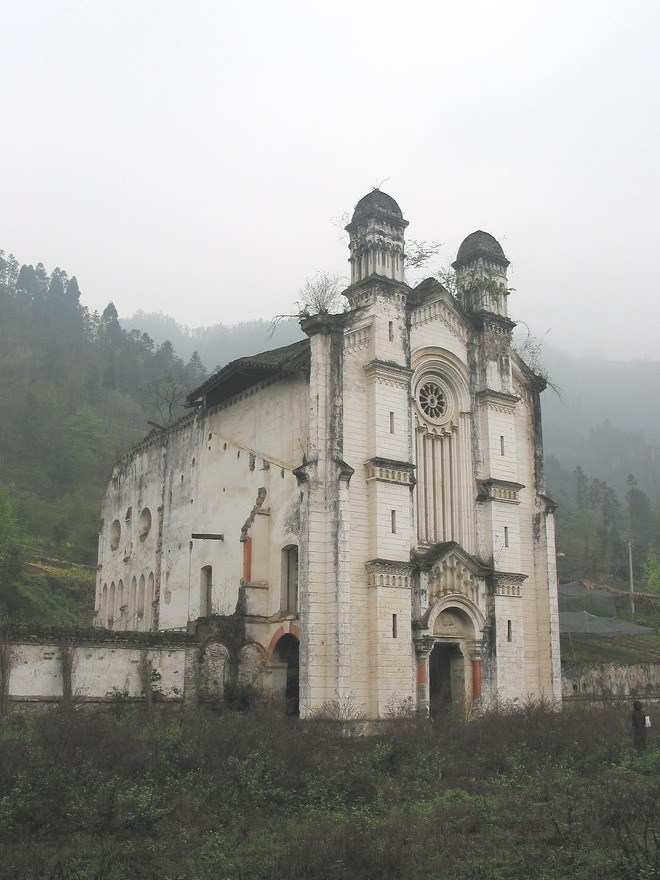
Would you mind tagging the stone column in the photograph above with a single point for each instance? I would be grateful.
(423, 647)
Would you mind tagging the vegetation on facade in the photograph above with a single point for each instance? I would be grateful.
(522, 792)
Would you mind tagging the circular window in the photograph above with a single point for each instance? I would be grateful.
(432, 400)
(115, 534)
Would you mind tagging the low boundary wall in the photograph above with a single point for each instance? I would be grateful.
(610, 682)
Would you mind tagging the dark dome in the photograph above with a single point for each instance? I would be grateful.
(480, 244)
(376, 202)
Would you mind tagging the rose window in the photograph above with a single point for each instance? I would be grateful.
(432, 400)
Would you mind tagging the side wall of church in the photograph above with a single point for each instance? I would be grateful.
(223, 505)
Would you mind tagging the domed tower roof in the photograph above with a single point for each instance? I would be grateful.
(480, 244)
(377, 204)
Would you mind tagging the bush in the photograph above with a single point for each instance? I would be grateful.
(522, 791)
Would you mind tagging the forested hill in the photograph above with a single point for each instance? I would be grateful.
(76, 392)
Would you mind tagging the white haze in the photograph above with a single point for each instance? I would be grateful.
(198, 158)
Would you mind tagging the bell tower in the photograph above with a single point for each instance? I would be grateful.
(481, 274)
(376, 238)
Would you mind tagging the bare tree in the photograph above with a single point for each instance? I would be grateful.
(321, 295)
(166, 395)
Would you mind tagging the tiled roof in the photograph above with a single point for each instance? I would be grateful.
(247, 371)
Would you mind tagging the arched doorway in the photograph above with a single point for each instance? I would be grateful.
(287, 652)
(450, 678)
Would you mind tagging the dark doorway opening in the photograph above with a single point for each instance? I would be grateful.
(445, 678)
(288, 651)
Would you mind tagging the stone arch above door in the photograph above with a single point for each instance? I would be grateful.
(455, 617)
(448, 575)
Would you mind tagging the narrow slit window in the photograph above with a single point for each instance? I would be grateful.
(502, 444)
(393, 521)
(391, 331)
(206, 591)
(395, 627)
(506, 536)
(391, 423)
(509, 631)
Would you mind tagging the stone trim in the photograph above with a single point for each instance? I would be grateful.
(388, 373)
(489, 322)
(389, 471)
(32, 634)
(508, 583)
(498, 400)
(499, 490)
(358, 338)
(440, 311)
(388, 573)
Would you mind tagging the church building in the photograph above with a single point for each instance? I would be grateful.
(358, 521)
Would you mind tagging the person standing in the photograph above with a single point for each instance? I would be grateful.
(639, 727)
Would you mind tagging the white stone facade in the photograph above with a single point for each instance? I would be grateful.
(366, 506)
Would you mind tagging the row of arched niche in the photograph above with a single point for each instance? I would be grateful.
(127, 607)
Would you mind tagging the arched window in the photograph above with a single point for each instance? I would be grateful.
(206, 591)
(111, 606)
(121, 605)
(149, 602)
(103, 606)
(290, 579)
(140, 603)
(132, 603)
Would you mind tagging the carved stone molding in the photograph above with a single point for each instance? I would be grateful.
(388, 573)
(423, 646)
(358, 338)
(451, 576)
(425, 427)
(441, 311)
(508, 583)
(498, 401)
(388, 374)
(499, 490)
(389, 471)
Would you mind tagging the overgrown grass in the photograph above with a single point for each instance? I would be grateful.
(56, 592)
(520, 793)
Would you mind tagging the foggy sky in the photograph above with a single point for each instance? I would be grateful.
(201, 158)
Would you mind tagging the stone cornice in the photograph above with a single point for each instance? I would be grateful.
(388, 573)
(385, 371)
(390, 471)
(322, 323)
(357, 337)
(343, 470)
(489, 322)
(73, 636)
(498, 399)
(499, 490)
(507, 583)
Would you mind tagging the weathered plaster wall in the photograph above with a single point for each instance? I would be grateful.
(98, 672)
(203, 478)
